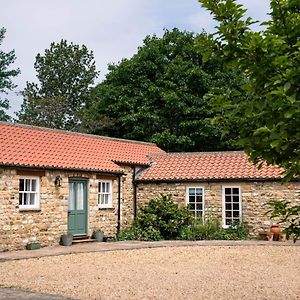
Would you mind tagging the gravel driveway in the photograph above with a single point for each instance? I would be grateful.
(218, 272)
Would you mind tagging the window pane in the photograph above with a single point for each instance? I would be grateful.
(102, 199)
(235, 198)
(107, 187)
(199, 191)
(199, 206)
(27, 184)
(32, 198)
(103, 187)
(25, 199)
(71, 196)
(191, 191)
(198, 198)
(80, 195)
(33, 185)
(235, 191)
(21, 185)
(228, 221)
(236, 206)
(227, 191)
(236, 214)
(228, 214)
(192, 206)
(228, 199)
(20, 199)
(228, 206)
(192, 199)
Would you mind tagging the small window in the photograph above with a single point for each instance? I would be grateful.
(105, 194)
(195, 201)
(232, 210)
(29, 197)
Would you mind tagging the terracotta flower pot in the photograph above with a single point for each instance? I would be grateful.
(275, 229)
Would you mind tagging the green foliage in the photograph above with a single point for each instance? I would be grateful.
(65, 73)
(158, 96)
(6, 75)
(161, 219)
(135, 232)
(286, 213)
(163, 215)
(211, 229)
(267, 109)
(199, 230)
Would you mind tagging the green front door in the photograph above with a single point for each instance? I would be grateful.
(77, 211)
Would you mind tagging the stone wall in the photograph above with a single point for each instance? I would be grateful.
(127, 197)
(254, 196)
(45, 225)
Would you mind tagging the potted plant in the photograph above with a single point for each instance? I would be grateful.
(66, 239)
(33, 246)
(98, 235)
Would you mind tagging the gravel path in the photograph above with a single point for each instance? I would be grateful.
(244, 272)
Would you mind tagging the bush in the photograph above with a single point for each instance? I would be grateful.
(236, 231)
(163, 215)
(135, 232)
(161, 219)
(211, 229)
(199, 230)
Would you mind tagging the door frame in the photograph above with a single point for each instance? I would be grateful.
(86, 202)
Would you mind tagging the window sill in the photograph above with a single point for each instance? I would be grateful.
(105, 208)
(29, 209)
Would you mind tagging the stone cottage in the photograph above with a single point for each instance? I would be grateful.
(223, 185)
(53, 182)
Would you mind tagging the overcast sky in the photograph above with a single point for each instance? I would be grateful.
(112, 29)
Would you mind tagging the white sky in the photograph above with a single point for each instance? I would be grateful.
(112, 29)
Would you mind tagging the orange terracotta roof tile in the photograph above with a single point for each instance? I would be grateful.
(206, 166)
(30, 146)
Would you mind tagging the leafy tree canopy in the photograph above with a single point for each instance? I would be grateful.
(158, 95)
(6, 75)
(65, 73)
(267, 108)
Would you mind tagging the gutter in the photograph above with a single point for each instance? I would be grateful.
(209, 180)
(24, 167)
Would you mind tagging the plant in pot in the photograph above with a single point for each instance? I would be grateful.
(98, 235)
(66, 239)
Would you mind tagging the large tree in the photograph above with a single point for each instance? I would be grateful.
(267, 110)
(6, 75)
(65, 72)
(158, 95)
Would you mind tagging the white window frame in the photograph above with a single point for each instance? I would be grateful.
(36, 204)
(223, 203)
(109, 204)
(187, 199)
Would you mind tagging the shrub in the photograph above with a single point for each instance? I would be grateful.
(164, 216)
(199, 230)
(211, 229)
(236, 231)
(160, 219)
(135, 232)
